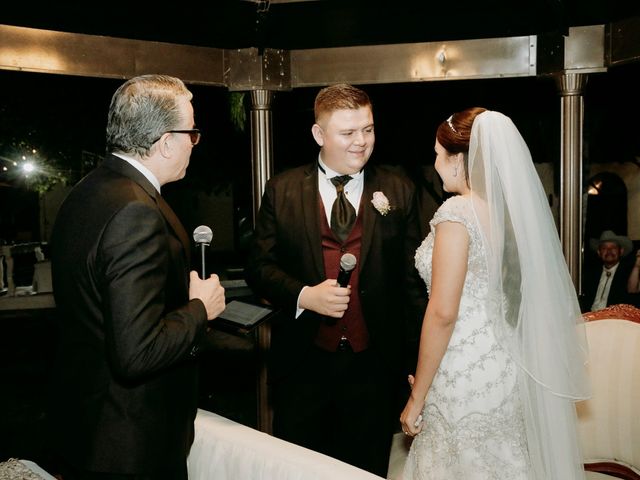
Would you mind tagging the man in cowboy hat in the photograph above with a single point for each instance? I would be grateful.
(607, 285)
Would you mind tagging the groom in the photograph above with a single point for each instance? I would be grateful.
(339, 354)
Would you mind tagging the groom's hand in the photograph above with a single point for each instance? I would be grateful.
(326, 298)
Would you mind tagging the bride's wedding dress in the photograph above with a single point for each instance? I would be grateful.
(473, 420)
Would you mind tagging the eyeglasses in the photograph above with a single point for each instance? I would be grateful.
(194, 134)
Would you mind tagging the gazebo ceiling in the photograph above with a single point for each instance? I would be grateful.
(305, 24)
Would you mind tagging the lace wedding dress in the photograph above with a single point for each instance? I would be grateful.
(473, 421)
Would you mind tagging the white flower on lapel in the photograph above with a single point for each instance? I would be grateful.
(381, 203)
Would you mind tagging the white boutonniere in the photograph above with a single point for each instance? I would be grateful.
(381, 203)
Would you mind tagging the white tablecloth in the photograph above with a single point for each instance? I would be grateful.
(226, 450)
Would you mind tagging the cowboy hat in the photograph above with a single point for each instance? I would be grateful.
(609, 236)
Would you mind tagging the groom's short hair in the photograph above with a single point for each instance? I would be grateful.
(341, 96)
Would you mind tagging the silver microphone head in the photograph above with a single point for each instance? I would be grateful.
(202, 234)
(348, 262)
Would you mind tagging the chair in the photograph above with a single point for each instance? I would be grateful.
(608, 424)
(226, 450)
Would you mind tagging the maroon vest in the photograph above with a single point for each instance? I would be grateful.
(352, 324)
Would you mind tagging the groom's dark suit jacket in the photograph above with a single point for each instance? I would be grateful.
(125, 384)
(287, 255)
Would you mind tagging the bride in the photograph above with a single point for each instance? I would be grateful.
(502, 347)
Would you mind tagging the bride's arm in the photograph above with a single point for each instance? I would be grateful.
(449, 268)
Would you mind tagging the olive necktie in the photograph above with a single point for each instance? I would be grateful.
(343, 215)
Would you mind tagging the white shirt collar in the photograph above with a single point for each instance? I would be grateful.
(329, 173)
(141, 168)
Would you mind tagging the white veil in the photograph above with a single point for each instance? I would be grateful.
(537, 317)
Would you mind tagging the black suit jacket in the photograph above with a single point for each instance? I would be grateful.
(617, 292)
(125, 383)
(287, 254)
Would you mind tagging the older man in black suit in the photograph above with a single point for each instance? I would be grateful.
(130, 318)
(339, 354)
(606, 283)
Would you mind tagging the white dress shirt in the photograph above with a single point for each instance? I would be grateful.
(602, 294)
(142, 169)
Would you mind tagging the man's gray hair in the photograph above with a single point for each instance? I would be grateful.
(141, 110)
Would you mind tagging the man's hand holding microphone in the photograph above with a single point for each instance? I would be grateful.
(208, 290)
(331, 297)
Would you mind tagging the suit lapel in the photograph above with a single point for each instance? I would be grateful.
(369, 214)
(311, 211)
(175, 224)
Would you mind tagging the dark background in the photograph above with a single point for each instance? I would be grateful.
(314, 24)
(64, 118)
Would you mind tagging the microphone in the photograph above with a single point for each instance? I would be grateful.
(203, 235)
(347, 264)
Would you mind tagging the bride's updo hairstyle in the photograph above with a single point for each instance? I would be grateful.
(455, 132)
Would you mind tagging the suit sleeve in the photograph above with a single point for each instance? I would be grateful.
(265, 273)
(142, 336)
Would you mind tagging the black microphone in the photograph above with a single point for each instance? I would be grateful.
(202, 235)
(347, 264)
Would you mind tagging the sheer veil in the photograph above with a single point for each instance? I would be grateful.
(534, 304)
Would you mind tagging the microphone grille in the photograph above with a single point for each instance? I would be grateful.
(202, 234)
(348, 262)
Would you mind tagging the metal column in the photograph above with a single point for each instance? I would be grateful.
(571, 87)
(262, 169)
